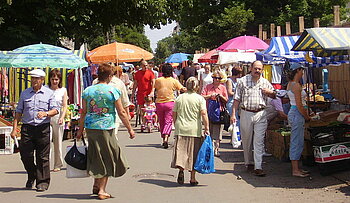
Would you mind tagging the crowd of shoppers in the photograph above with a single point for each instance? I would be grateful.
(251, 101)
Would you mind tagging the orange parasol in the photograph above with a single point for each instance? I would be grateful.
(117, 53)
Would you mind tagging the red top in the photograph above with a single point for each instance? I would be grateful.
(144, 79)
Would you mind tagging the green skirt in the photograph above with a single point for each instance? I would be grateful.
(104, 156)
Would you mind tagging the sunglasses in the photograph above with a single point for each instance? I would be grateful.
(217, 78)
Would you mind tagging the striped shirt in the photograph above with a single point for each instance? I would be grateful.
(249, 93)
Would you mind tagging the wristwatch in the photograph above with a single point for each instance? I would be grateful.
(47, 114)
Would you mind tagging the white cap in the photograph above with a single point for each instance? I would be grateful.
(37, 73)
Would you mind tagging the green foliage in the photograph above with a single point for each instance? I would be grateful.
(124, 34)
(33, 21)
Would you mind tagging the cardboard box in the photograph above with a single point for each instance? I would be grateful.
(6, 142)
(277, 144)
(332, 152)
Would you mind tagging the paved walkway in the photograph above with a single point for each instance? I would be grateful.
(150, 179)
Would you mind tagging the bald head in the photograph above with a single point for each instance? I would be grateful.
(256, 69)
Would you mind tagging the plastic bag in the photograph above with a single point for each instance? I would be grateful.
(72, 172)
(205, 158)
(235, 135)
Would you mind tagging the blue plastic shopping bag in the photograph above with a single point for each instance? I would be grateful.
(205, 158)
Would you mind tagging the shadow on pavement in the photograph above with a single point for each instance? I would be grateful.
(345, 190)
(145, 145)
(11, 189)
(166, 183)
(279, 175)
(69, 196)
(16, 172)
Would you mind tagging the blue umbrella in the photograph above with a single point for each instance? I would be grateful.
(177, 58)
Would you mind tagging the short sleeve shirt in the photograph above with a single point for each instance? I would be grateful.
(188, 107)
(100, 104)
(210, 89)
(165, 87)
(249, 93)
(143, 79)
(31, 102)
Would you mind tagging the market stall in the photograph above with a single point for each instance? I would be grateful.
(15, 66)
(327, 139)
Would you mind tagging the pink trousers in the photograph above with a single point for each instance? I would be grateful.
(165, 117)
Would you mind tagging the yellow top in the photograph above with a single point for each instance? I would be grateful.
(165, 88)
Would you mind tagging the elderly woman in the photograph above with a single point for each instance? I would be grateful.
(297, 115)
(105, 158)
(212, 92)
(189, 112)
(165, 87)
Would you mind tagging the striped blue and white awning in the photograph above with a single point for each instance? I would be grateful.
(281, 47)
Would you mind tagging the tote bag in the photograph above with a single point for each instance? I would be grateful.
(205, 158)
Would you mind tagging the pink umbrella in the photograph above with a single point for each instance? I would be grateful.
(209, 57)
(243, 43)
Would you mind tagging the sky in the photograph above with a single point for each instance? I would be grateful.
(157, 34)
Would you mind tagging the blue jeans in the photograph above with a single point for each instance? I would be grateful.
(297, 121)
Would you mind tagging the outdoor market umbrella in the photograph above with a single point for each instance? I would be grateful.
(117, 53)
(243, 43)
(41, 56)
(177, 58)
(209, 57)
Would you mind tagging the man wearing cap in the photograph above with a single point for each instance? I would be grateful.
(251, 95)
(35, 107)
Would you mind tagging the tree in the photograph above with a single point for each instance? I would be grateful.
(33, 21)
(279, 12)
(122, 33)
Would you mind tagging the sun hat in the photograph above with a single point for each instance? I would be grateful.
(37, 73)
(295, 66)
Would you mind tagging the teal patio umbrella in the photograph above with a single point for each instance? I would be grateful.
(41, 56)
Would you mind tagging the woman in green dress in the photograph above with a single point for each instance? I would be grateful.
(105, 158)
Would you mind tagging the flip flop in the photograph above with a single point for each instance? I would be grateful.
(302, 175)
(194, 183)
(104, 196)
(304, 171)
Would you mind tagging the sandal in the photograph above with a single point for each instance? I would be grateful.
(104, 196)
(194, 183)
(301, 175)
(181, 178)
(304, 171)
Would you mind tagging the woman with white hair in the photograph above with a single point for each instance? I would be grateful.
(188, 114)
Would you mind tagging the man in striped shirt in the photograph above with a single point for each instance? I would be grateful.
(251, 96)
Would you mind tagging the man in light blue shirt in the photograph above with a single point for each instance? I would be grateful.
(35, 107)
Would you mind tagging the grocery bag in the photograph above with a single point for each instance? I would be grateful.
(235, 135)
(205, 158)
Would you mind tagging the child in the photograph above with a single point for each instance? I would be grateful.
(149, 112)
